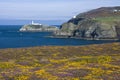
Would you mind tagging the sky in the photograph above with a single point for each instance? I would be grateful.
(49, 9)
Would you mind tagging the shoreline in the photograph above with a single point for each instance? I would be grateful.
(66, 37)
(57, 46)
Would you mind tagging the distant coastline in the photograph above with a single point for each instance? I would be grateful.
(98, 24)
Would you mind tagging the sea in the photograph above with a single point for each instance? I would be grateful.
(11, 37)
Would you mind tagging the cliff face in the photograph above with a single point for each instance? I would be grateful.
(93, 29)
(101, 23)
(39, 28)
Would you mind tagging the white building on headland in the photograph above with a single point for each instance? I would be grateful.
(74, 16)
(32, 23)
(116, 10)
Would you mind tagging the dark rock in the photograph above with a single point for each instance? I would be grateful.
(67, 29)
(96, 30)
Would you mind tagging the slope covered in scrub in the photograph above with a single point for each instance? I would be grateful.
(92, 62)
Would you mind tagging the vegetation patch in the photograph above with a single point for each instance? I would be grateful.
(92, 62)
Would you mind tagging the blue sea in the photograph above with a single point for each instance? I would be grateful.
(10, 37)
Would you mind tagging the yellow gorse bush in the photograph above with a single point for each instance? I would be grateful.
(5, 65)
(104, 59)
(21, 77)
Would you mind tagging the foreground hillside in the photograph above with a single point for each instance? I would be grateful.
(93, 62)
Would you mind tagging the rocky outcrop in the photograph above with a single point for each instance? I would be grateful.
(38, 28)
(92, 29)
(67, 29)
(97, 24)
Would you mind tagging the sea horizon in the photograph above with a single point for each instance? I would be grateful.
(24, 22)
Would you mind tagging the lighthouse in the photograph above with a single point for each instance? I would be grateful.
(32, 22)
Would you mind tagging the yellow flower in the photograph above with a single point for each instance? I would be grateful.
(40, 72)
(22, 77)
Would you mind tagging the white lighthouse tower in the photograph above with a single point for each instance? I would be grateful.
(32, 22)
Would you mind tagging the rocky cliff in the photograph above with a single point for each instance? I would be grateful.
(38, 28)
(101, 23)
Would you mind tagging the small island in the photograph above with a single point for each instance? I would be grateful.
(36, 27)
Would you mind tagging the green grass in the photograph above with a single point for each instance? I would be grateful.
(110, 20)
(93, 62)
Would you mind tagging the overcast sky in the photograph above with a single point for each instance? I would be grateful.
(49, 9)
